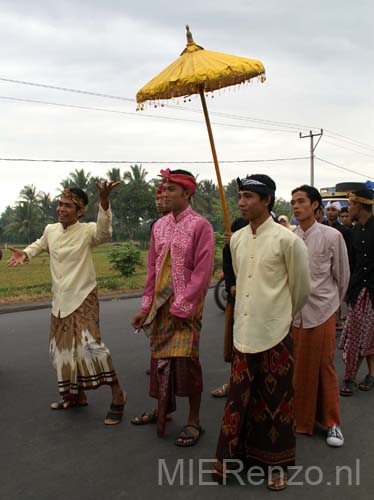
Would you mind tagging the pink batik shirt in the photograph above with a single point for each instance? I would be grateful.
(190, 239)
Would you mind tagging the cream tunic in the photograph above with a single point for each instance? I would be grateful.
(70, 250)
(272, 284)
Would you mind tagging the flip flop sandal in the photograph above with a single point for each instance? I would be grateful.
(367, 383)
(278, 482)
(220, 392)
(67, 405)
(148, 417)
(348, 388)
(186, 438)
(114, 416)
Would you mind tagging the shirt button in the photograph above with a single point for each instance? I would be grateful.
(251, 257)
(249, 275)
(247, 294)
(365, 268)
(245, 314)
(363, 241)
(364, 281)
(365, 254)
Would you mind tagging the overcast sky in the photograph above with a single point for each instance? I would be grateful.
(319, 64)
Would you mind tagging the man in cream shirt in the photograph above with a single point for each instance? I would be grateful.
(272, 284)
(81, 359)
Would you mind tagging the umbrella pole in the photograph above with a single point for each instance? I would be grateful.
(215, 159)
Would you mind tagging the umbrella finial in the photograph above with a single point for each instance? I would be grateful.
(189, 34)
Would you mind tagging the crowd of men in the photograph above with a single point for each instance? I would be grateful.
(284, 290)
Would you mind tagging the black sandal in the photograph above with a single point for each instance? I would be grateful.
(148, 417)
(186, 438)
(367, 383)
(67, 405)
(114, 416)
(347, 388)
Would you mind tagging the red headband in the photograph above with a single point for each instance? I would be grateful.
(159, 189)
(187, 181)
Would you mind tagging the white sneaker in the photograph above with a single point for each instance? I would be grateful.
(334, 436)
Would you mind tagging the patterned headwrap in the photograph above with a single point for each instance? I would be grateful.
(77, 200)
(256, 185)
(187, 181)
(364, 196)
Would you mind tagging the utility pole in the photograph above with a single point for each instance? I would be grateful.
(312, 149)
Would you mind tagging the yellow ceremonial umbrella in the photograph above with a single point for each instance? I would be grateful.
(197, 71)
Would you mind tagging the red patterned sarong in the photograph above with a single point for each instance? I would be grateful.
(258, 421)
(357, 340)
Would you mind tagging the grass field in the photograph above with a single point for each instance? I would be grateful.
(33, 281)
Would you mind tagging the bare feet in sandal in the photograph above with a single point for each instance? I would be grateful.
(115, 413)
(148, 417)
(367, 383)
(278, 481)
(220, 392)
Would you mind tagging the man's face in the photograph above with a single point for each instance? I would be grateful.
(302, 208)
(67, 212)
(251, 206)
(175, 197)
(332, 214)
(345, 219)
(160, 205)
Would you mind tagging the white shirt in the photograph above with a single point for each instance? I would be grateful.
(70, 250)
(272, 284)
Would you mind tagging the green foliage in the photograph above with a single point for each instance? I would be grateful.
(125, 259)
(219, 239)
(282, 207)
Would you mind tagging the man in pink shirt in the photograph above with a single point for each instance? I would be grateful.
(314, 327)
(180, 267)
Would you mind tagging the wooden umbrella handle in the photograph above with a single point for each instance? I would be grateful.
(215, 159)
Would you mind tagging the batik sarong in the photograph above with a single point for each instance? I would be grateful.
(316, 382)
(81, 359)
(175, 365)
(258, 421)
(357, 339)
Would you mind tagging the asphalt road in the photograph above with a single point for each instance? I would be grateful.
(71, 455)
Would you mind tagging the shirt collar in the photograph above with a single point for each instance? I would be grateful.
(264, 226)
(183, 214)
(305, 234)
(70, 228)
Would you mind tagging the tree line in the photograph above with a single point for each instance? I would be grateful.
(133, 206)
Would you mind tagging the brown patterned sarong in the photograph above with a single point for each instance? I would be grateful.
(258, 421)
(316, 382)
(81, 359)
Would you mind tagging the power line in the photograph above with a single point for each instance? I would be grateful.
(293, 126)
(343, 168)
(348, 149)
(147, 115)
(138, 162)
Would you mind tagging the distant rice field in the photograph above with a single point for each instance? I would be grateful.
(33, 281)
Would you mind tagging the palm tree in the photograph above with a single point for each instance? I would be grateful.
(78, 178)
(26, 222)
(137, 174)
(114, 175)
(29, 195)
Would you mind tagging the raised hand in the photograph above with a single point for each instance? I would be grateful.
(18, 258)
(105, 188)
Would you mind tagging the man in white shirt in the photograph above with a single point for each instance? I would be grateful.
(81, 359)
(272, 284)
(314, 327)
